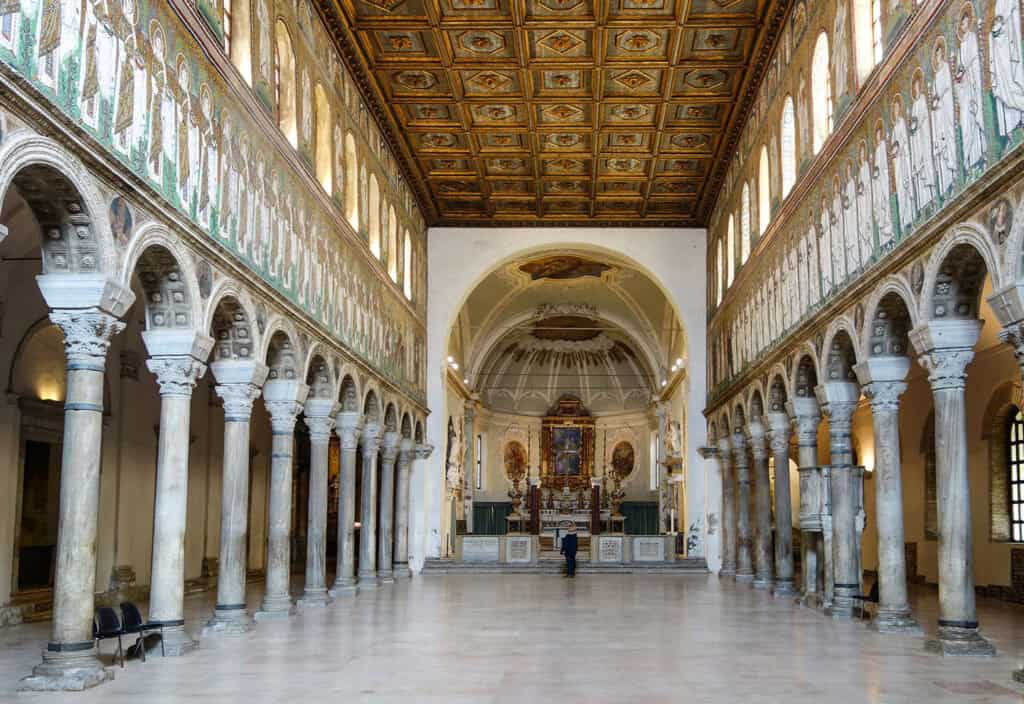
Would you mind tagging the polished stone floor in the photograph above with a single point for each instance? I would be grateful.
(539, 639)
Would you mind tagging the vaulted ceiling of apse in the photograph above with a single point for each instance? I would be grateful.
(514, 112)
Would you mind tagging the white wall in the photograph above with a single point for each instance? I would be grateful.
(459, 258)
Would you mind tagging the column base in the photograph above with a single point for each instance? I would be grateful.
(314, 599)
(810, 600)
(763, 582)
(231, 620)
(344, 586)
(727, 572)
(176, 642)
(402, 571)
(745, 577)
(386, 576)
(368, 580)
(784, 588)
(896, 621)
(67, 671)
(956, 641)
(275, 607)
(839, 612)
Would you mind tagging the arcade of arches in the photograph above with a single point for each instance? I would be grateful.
(323, 322)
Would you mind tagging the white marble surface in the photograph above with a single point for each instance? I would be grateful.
(516, 638)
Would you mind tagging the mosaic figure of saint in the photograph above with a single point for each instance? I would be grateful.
(921, 142)
(865, 235)
(969, 91)
(943, 120)
(825, 247)
(850, 222)
(1006, 67)
(900, 146)
(838, 229)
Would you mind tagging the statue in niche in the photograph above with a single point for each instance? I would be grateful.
(515, 470)
(969, 91)
(943, 120)
(1006, 68)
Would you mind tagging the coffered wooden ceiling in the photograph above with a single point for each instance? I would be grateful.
(561, 111)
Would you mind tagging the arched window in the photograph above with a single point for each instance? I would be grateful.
(392, 244)
(324, 148)
(1015, 467)
(788, 146)
(867, 21)
(764, 191)
(745, 224)
(351, 182)
(374, 217)
(407, 266)
(284, 85)
(730, 245)
(821, 93)
(721, 271)
(236, 23)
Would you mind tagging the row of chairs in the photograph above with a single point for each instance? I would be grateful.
(107, 625)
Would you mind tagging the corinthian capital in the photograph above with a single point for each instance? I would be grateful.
(283, 414)
(238, 398)
(349, 428)
(320, 428)
(947, 369)
(87, 335)
(945, 348)
(371, 438)
(177, 376)
(757, 438)
(884, 395)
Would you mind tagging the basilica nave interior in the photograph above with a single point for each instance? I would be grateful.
(324, 322)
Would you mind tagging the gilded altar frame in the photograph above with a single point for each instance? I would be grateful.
(568, 413)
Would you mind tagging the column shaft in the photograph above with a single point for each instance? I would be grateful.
(368, 515)
(744, 531)
(385, 529)
(893, 607)
(763, 504)
(277, 600)
(784, 585)
(320, 428)
(69, 661)
(728, 510)
(345, 578)
(843, 485)
(401, 560)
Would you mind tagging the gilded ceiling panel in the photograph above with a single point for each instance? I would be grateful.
(563, 110)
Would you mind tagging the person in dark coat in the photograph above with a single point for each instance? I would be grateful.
(569, 546)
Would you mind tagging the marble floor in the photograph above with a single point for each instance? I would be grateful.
(539, 639)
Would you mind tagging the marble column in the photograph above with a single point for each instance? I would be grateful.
(779, 432)
(881, 379)
(744, 530)
(945, 348)
(757, 437)
(70, 660)
(319, 417)
(239, 383)
(178, 362)
(371, 440)
(349, 428)
(839, 400)
(806, 416)
(406, 451)
(283, 399)
(710, 455)
(728, 508)
(386, 524)
(469, 473)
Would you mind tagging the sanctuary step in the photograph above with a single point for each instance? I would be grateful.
(680, 567)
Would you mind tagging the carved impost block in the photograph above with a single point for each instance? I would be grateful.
(424, 451)
(371, 438)
(708, 452)
(349, 427)
(87, 335)
(177, 376)
(389, 446)
(757, 437)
